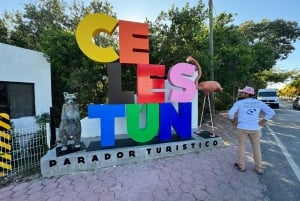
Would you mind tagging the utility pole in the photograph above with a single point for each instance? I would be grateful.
(211, 53)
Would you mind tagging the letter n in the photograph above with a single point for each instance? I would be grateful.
(181, 120)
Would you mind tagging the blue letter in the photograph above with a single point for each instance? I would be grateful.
(107, 114)
(181, 120)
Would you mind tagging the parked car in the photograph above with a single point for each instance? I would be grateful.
(269, 96)
(296, 103)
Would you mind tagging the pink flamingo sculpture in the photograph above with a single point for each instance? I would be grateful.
(207, 87)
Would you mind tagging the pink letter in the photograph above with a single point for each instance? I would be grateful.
(176, 79)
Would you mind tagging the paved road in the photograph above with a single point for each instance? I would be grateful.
(207, 175)
(280, 150)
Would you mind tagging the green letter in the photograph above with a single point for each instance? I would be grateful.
(151, 118)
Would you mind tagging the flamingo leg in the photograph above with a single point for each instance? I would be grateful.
(199, 128)
(212, 122)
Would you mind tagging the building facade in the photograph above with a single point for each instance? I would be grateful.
(25, 84)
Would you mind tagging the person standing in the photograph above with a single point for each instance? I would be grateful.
(245, 114)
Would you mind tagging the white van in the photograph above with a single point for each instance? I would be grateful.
(269, 96)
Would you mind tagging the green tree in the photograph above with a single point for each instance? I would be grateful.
(26, 28)
(296, 83)
(232, 58)
(242, 53)
(177, 34)
(279, 34)
(49, 26)
(3, 32)
(273, 75)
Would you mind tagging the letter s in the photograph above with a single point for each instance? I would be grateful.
(188, 86)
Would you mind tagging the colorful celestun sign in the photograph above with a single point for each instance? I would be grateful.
(161, 116)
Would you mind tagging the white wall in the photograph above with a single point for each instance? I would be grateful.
(23, 65)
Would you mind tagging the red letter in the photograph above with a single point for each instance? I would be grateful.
(145, 84)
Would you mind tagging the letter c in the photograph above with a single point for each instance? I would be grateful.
(88, 28)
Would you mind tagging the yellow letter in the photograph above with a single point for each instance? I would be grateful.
(88, 28)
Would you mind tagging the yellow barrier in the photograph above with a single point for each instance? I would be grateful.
(5, 145)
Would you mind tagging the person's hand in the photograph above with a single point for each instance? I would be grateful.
(234, 122)
(262, 122)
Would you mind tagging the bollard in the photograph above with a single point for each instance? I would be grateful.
(5, 145)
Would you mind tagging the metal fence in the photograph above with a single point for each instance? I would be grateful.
(21, 151)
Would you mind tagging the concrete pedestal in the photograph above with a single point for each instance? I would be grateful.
(126, 151)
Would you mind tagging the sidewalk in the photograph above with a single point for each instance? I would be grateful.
(207, 175)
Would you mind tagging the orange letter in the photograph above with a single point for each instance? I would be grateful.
(133, 42)
(88, 28)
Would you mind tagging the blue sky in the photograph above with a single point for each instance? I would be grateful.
(256, 10)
